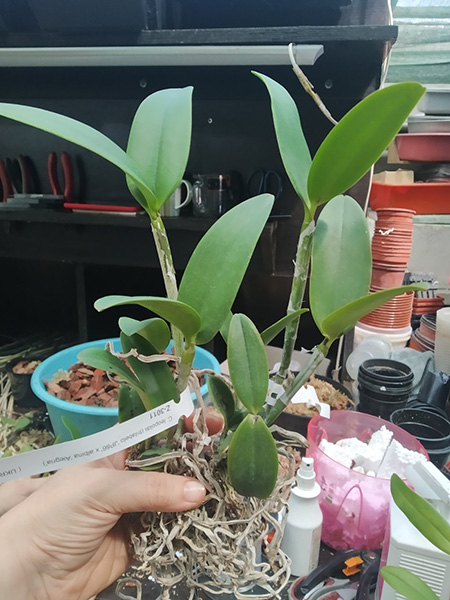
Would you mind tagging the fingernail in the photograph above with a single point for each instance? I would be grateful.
(194, 491)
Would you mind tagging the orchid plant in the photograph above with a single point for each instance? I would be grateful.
(432, 525)
(333, 250)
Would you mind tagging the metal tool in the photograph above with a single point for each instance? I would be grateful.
(329, 577)
(19, 172)
(16, 176)
(5, 181)
(261, 181)
(67, 167)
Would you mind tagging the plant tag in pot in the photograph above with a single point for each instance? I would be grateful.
(307, 395)
(275, 391)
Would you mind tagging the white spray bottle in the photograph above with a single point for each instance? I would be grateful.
(301, 539)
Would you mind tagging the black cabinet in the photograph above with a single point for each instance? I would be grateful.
(232, 131)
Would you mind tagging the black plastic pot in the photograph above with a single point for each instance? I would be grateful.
(431, 429)
(435, 389)
(299, 423)
(20, 385)
(384, 386)
(414, 402)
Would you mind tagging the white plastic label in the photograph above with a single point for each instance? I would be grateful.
(98, 445)
(308, 395)
(274, 392)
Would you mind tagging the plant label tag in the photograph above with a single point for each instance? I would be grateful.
(274, 392)
(308, 395)
(98, 445)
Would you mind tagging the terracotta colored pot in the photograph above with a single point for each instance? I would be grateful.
(385, 266)
(395, 313)
(428, 326)
(395, 258)
(405, 213)
(386, 279)
(398, 224)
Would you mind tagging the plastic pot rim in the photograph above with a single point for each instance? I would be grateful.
(39, 390)
(388, 363)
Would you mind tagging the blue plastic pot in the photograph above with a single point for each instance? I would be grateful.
(90, 419)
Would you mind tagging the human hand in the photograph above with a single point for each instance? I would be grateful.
(14, 492)
(67, 540)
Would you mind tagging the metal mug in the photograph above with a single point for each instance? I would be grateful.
(171, 208)
(211, 195)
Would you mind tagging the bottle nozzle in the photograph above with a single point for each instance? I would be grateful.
(306, 477)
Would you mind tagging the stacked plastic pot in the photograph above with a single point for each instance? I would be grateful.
(424, 336)
(384, 385)
(442, 342)
(391, 246)
(391, 249)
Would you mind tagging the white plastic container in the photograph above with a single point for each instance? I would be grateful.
(436, 101)
(398, 337)
(372, 346)
(405, 546)
(301, 539)
(442, 341)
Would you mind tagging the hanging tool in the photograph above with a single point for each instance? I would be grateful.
(5, 181)
(19, 172)
(261, 181)
(67, 167)
(16, 177)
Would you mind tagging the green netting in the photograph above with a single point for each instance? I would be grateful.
(422, 51)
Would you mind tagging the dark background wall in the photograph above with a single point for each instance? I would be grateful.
(232, 131)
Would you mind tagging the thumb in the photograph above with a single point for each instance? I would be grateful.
(137, 491)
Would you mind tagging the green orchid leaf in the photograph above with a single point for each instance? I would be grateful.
(156, 378)
(21, 423)
(217, 266)
(17, 424)
(253, 459)
(346, 317)
(130, 404)
(226, 326)
(237, 419)
(247, 362)
(222, 398)
(160, 139)
(407, 584)
(291, 140)
(359, 139)
(102, 359)
(271, 332)
(155, 330)
(139, 196)
(183, 316)
(341, 258)
(75, 433)
(83, 135)
(152, 453)
(421, 514)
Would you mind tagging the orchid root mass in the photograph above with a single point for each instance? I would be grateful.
(222, 546)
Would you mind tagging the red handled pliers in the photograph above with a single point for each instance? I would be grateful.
(67, 167)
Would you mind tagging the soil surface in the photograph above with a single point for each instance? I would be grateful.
(26, 367)
(326, 393)
(85, 385)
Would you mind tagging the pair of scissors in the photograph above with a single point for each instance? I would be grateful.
(261, 181)
(16, 176)
(326, 580)
(67, 167)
